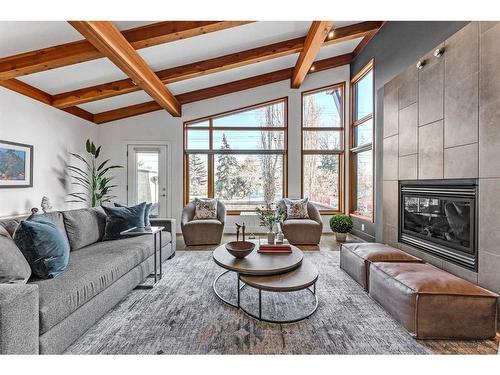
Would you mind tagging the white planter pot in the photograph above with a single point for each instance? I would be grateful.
(340, 237)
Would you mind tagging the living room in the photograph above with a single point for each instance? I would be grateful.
(260, 185)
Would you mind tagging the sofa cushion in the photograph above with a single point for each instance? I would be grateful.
(304, 223)
(91, 270)
(44, 245)
(84, 226)
(119, 219)
(13, 265)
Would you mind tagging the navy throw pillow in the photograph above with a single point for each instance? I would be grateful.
(119, 219)
(147, 211)
(44, 246)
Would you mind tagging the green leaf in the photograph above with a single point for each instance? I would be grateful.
(97, 152)
(102, 164)
(87, 145)
(92, 149)
(107, 169)
(82, 180)
(81, 158)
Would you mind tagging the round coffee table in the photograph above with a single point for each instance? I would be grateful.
(278, 273)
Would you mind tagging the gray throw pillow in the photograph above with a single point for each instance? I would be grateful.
(13, 265)
(84, 226)
(205, 209)
(296, 208)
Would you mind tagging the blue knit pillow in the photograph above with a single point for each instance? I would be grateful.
(119, 219)
(44, 246)
(147, 212)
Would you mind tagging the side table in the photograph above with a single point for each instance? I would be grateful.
(155, 232)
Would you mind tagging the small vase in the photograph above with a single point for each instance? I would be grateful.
(270, 238)
(280, 238)
(340, 237)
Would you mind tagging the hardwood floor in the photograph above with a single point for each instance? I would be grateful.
(327, 243)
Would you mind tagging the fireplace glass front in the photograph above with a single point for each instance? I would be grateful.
(440, 219)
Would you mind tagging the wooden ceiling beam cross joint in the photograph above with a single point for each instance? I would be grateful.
(112, 44)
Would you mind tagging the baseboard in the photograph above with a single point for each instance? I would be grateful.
(363, 235)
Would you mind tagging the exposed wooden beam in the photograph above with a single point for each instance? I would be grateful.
(27, 90)
(313, 43)
(112, 44)
(223, 89)
(42, 96)
(79, 112)
(82, 50)
(213, 65)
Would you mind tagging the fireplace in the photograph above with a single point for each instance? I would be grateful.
(439, 217)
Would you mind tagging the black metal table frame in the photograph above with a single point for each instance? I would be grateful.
(259, 317)
(157, 276)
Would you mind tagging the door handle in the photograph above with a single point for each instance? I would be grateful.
(164, 195)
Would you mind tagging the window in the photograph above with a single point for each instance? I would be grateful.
(238, 157)
(361, 145)
(323, 147)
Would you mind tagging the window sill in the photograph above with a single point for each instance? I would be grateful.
(361, 217)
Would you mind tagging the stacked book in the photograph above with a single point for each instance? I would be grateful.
(265, 247)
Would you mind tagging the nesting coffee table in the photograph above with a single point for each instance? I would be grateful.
(279, 273)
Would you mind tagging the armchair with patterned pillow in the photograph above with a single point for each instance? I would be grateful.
(302, 224)
(202, 222)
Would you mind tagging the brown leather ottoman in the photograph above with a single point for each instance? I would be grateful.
(432, 303)
(355, 259)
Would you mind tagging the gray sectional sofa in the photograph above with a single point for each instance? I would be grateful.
(46, 316)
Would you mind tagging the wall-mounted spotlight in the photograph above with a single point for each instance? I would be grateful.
(331, 34)
(312, 69)
(439, 52)
(420, 64)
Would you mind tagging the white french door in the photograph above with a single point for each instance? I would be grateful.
(147, 176)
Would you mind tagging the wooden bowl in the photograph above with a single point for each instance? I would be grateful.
(240, 249)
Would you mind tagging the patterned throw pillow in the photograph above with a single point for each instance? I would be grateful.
(296, 208)
(205, 209)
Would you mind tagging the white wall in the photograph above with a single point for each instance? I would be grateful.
(160, 126)
(52, 133)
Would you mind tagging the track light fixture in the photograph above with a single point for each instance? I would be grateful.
(420, 64)
(439, 52)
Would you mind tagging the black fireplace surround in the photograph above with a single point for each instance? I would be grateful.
(439, 217)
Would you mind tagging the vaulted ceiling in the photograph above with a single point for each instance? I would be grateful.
(103, 71)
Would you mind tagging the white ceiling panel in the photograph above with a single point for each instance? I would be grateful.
(338, 49)
(23, 36)
(75, 76)
(117, 102)
(222, 42)
(125, 25)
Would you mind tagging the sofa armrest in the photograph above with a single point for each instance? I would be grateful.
(19, 326)
(170, 226)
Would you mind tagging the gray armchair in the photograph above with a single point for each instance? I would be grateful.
(303, 231)
(202, 232)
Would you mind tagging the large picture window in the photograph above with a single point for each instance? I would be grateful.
(361, 144)
(323, 147)
(238, 157)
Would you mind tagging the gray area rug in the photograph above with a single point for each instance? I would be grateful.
(182, 315)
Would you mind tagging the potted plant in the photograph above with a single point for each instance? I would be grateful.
(268, 216)
(92, 177)
(341, 225)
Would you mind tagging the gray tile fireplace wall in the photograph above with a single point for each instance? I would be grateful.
(443, 122)
(395, 47)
